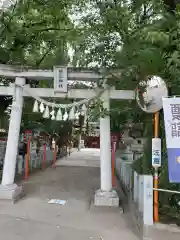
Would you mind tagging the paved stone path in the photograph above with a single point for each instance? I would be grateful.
(87, 157)
(33, 218)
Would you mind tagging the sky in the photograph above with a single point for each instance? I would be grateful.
(5, 3)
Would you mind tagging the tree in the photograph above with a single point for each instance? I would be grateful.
(37, 34)
(140, 38)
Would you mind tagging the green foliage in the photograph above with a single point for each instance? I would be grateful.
(139, 38)
(35, 33)
(143, 164)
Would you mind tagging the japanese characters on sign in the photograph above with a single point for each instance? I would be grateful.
(156, 152)
(175, 125)
(60, 79)
(171, 107)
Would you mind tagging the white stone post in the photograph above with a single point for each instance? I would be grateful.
(105, 147)
(105, 196)
(9, 190)
(148, 200)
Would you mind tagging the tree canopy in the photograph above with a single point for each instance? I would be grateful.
(38, 34)
(137, 37)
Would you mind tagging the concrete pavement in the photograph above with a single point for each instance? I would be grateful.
(33, 218)
(87, 157)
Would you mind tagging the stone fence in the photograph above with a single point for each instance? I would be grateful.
(37, 161)
(139, 190)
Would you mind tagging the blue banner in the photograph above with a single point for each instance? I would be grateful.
(174, 164)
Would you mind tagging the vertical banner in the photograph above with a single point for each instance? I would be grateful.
(171, 107)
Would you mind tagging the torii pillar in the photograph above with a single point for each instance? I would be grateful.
(105, 196)
(8, 189)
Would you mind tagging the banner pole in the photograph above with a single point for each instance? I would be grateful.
(156, 194)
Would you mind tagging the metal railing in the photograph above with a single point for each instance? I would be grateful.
(166, 190)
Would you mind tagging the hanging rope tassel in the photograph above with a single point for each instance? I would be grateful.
(52, 115)
(65, 116)
(36, 106)
(46, 113)
(41, 107)
(59, 115)
(72, 114)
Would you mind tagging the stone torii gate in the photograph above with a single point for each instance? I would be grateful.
(8, 189)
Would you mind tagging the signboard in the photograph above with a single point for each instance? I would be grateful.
(156, 152)
(60, 79)
(171, 107)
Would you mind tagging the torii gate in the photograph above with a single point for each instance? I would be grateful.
(8, 189)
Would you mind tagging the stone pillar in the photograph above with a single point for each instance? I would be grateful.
(9, 190)
(105, 196)
(147, 211)
(105, 147)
